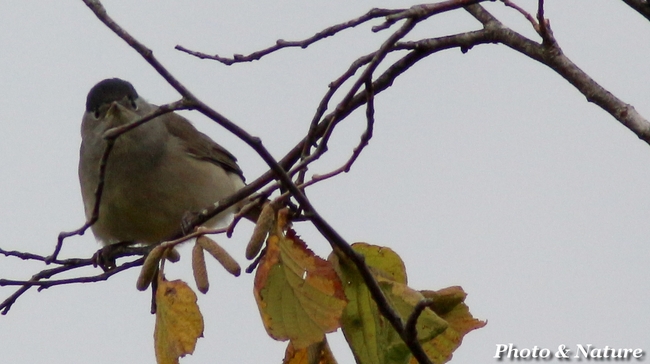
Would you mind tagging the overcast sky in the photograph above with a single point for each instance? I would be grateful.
(487, 170)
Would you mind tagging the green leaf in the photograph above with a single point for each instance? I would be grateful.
(448, 303)
(298, 293)
(370, 335)
(440, 327)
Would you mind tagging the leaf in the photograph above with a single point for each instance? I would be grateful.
(384, 261)
(299, 295)
(448, 303)
(179, 322)
(371, 337)
(318, 353)
(404, 299)
(364, 329)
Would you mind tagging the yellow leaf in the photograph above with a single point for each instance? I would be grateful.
(298, 294)
(179, 322)
(318, 353)
(448, 303)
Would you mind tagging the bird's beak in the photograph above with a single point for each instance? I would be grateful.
(115, 110)
(117, 115)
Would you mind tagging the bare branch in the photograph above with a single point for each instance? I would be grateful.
(90, 279)
(544, 26)
(312, 134)
(22, 255)
(32, 256)
(551, 55)
(363, 142)
(36, 279)
(366, 76)
(281, 44)
(523, 12)
(423, 11)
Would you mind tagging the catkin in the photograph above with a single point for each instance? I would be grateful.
(149, 268)
(173, 255)
(199, 269)
(219, 254)
(262, 228)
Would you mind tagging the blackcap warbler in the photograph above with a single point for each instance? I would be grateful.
(156, 173)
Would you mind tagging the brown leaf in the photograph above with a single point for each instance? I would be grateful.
(318, 353)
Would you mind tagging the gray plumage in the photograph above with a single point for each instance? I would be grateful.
(156, 173)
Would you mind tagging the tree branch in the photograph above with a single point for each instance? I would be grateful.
(552, 56)
(37, 278)
(281, 44)
(641, 6)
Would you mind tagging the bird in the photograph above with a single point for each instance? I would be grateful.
(155, 174)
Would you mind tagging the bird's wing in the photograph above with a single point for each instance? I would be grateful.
(203, 147)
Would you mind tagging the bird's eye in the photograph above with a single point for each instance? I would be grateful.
(133, 104)
(96, 114)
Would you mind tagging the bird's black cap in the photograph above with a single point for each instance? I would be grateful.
(109, 90)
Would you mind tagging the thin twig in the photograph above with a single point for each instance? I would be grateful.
(544, 30)
(95, 214)
(281, 44)
(89, 279)
(411, 323)
(181, 104)
(341, 110)
(330, 233)
(539, 24)
(200, 231)
(5, 306)
(423, 11)
(22, 255)
(312, 134)
(363, 142)
(523, 12)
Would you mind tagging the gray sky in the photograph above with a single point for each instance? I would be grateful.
(487, 170)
